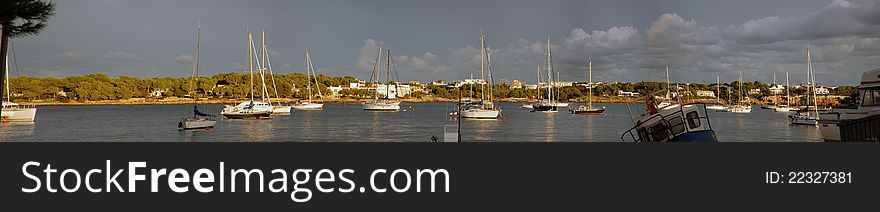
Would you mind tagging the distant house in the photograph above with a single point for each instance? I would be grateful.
(706, 94)
(822, 91)
(777, 89)
(755, 91)
(626, 93)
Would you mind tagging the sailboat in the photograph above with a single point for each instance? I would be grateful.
(548, 105)
(485, 109)
(14, 112)
(310, 72)
(670, 98)
(740, 107)
(199, 120)
(385, 103)
(804, 116)
(277, 108)
(785, 108)
(588, 108)
(251, 109)
(718, 106)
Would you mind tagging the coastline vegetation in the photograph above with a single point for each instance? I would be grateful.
(227, 86)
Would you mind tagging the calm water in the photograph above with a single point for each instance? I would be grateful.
(338, 122)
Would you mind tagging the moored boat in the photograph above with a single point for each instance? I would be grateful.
(856, 124)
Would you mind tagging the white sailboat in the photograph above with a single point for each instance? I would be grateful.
(548, 105)
(718, 106)
(485, 109)
(806, 116)
(199, 120)
(786, 107)
(385, 103)
(251, 109)
(588, 108)
(310, 73)
(277, 108)
(14, 112)
(740, 107)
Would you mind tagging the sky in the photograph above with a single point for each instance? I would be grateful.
(628, 40)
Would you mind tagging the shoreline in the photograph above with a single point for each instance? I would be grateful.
(179, 101)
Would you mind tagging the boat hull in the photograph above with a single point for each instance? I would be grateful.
(392, 106)
(245, 115)
(18, 114)
(594, 111)
(697, 136)
(281, 110)
(740, 109)
(545, 108)
(782, 109)
(308, 106)
(190, 123)
(481, 114)
(716, 107)
(803, 120)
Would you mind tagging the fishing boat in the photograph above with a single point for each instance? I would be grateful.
(486, 109)
(683, 123)
(199, 120)
(11, 111)
(805, 116)
(717, 106)
(785, 108)
(251, 109)
(310, 74)
(858, 124)
(548, 105)
(588, 108)
(740, 107)
(385, 103)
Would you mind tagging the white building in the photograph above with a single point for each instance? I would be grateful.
(822, 91)
(469, 82)
(706, 94)
(777, 89)
(626, 93)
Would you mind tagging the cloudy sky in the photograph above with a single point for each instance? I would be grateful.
(628, 40)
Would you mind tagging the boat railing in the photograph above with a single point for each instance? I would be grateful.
(669, 125)
(19, 106)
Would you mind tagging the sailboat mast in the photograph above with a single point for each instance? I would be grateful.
(590, 84)
(376, 71)
(251, 62)
(388, 74)
(668, 84)
(308, 63)
(775, 98)
(6, 81)
(549, 72)
(812, 84)
(489, 83)
(262, 67)
(482, 66)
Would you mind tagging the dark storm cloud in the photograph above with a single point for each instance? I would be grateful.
(628, 40)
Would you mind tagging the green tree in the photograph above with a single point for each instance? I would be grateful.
(19, 18)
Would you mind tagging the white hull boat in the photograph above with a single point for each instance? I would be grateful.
(13, 112)
(480, 114)
(717, 107)
(192, 123)
(783, 109)
(382, 105)
(248, 110)
(281, 110)
(308, 106)
(739, 109)
(803, 119)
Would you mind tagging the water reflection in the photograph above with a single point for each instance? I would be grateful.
(12, 130)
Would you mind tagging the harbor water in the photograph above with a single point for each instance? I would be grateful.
(416, 122)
